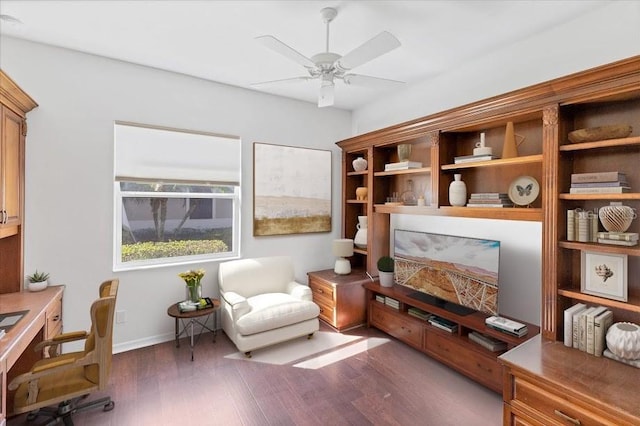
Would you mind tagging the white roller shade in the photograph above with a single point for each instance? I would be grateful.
(172, 155)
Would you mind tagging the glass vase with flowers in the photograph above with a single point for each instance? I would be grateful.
(192, 279)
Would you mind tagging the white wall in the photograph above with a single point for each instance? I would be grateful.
(69, 173)
(605, 35)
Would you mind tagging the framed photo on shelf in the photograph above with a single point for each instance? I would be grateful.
(604, 275)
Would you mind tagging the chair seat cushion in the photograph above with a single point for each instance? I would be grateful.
(273, 310)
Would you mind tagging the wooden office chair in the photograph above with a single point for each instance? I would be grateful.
(67, 379)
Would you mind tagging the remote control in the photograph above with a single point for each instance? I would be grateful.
(505, 323)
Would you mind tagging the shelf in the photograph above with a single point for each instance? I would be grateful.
(604, 248)
(528, 159)
(362, 173)
(632, 305)
(504, 213)
(421, 170)
(360, 251)
(601, 144)
(357, 201)
(604, 197)
(383, 208)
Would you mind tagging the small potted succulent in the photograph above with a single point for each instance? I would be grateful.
(38, 281)
(385, 271)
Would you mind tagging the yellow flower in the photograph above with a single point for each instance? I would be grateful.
(192, 278)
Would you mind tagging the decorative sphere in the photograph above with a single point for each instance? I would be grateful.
(623, 340)
(616, 217)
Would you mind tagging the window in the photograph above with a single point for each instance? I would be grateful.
(177, 197)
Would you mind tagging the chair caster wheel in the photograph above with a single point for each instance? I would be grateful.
(32, 416)
(247, 354)
(109, 406)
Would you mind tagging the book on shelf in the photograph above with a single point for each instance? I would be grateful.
(392, 302)
(520, 333)
(633, 362)
(473, 158)
(487, 342)
(601, 190)
(582, 328)
(590, 346)
(613, 176)
(618, 242)
(470, 204)
(575, 328)
(568, 322)
(402, 165)
(489, 195)
(600, 184)
(571, 225)
(380, 298)
(622, 236)
(582, 226)
(601, 324)
(418, 313)
(443, 324)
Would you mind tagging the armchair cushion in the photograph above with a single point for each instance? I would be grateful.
(275, 310)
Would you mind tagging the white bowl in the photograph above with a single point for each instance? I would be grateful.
(37, 286)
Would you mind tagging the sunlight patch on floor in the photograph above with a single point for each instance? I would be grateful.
(342, 353)
(323, 349)
(297, 349)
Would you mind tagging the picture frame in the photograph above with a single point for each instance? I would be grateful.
(604, 275)
(291, 190)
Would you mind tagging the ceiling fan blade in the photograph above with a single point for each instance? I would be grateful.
(368, 81)
(326, 95)
(283, 49)
(377, 46)
(284, 80)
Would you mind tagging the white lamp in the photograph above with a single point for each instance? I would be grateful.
(342, 248)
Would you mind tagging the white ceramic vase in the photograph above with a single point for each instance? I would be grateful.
(360, 239)
(457, 191)
(623, 339)
(359, 164)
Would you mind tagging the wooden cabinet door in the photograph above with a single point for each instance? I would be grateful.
(11, 158)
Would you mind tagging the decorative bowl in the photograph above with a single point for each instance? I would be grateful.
(600, 133)
(623, 339)
(616, 217)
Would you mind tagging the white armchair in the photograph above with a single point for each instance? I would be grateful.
(262, 304)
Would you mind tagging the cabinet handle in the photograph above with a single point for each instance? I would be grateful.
(4, 216)
(567, 418)
(56, 318)
(319, 291)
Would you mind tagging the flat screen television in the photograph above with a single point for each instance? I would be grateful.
(459, 274)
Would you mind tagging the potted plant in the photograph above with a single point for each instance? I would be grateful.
(38, 281)
(385, 271)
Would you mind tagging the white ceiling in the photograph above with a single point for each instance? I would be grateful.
(214, 40)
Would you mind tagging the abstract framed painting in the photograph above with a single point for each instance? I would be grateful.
(291, 190)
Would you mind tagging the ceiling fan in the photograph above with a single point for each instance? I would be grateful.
(328, 66)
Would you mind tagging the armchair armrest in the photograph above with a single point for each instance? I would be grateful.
(299, 291)
(57, 340)
(239, 304)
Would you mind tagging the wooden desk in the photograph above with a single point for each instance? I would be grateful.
(43, 320)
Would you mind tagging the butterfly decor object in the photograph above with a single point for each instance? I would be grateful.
(524, 191)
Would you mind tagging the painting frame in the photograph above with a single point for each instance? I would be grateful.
(292, 190)
(597, 268)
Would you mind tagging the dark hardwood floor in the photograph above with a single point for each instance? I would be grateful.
(391, 384)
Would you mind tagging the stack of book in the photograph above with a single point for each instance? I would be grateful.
(419, 313)
(585, 328)
(402, 165)
(393, 303)
(488, 342)
(599, 183)
(473, 158)
(443, 324)
(508, 326)
(618, 238)
(489, 199)
(379, 298)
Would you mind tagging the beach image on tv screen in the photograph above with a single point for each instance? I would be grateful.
(456, 269)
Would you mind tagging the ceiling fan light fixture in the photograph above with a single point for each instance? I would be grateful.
(327, 91)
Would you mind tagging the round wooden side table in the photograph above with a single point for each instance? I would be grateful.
(190, 318)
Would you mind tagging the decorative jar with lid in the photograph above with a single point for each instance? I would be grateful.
(359, 164)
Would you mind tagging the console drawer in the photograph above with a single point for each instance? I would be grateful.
(322, 290)
(402, 328)
(327, 310)
(553, 408)
(53, 320)
(483, 368)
